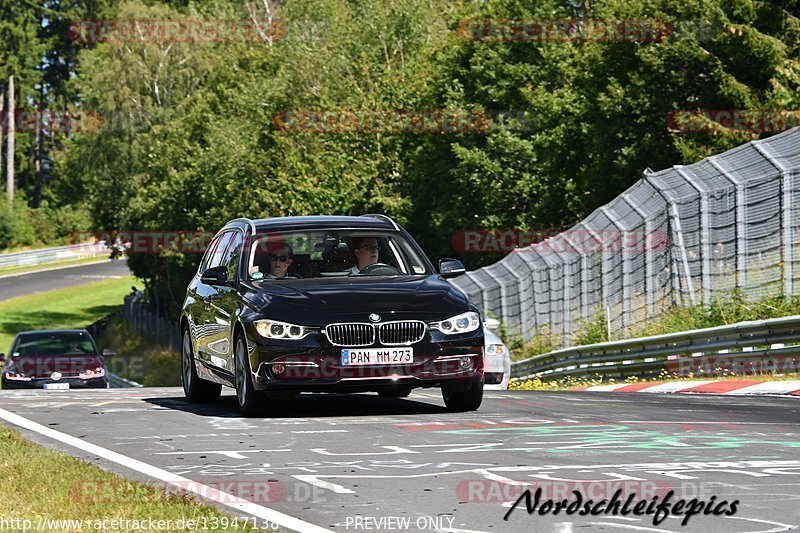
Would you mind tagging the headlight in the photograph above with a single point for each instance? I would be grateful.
(463, 323)
(91, 374)
(272, 329)
(495, 349)
(16, 376)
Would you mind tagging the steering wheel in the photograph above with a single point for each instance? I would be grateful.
(380, 269)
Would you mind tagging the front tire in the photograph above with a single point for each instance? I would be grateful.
(195, 389)
(251, 402)
(468, 400)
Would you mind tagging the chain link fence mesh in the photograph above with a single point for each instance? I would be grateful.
(681, 236)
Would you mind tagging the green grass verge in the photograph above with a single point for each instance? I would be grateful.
(139, 359)
(72, 307)
(37, 484)
(57, 264)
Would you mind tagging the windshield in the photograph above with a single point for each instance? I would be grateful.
(55, 344)
(332, 253)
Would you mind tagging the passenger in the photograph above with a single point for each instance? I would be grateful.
(280, 260)
(366, 250)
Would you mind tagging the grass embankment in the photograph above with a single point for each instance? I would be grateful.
(720, 312)
(139, 359)
(38, 484)
(72, 307)
(4, 271)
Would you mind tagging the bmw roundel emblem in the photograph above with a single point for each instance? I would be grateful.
(375, 317)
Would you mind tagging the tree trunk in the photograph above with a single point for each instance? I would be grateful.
(37, 154)
(10, 152)
(2, 125)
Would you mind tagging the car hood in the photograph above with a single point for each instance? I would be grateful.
(322, 301)
(43, 366)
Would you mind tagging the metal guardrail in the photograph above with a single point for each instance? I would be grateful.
(746, 347)
(52, 255)
(118, 382)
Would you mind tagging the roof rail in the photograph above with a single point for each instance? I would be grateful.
(384, 218)
(246, 221)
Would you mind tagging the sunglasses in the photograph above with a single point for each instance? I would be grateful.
(371, 247)
(281, 258)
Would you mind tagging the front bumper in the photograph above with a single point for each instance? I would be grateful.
(312, 364)
(39, 383)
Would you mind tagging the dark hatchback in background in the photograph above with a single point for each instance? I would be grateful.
(330, 325)
(54, 359)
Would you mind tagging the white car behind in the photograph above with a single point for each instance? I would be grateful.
(497, 359)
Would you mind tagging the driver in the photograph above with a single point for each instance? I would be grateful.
(366, 251)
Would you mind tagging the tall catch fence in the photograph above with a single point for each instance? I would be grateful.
(684, 235)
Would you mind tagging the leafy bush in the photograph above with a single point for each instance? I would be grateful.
(15, 225)
(139, 359)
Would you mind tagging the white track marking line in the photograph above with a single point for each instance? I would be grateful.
(767, 387)
(635, 528)
(182, 483)
(607, 388)
(674, 386)
(781, 527)
(55, 268)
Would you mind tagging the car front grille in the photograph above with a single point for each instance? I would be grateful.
(400, 333)
(350, 334)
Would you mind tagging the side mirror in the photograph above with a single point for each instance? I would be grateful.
(108, 352)
(217, 275)
(492, 324)
(450, 268)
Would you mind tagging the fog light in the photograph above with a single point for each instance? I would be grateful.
(278, 369)
(466, 362)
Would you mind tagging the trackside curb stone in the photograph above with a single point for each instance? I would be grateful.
(731, 387)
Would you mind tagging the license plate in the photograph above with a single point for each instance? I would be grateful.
(377, 356)
(56, 386)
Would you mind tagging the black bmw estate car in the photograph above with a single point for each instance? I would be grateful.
(282, 306)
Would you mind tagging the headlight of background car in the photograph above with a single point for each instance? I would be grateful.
(16, 376)
(98, 372)
(463, 323)
(495, 349)
(272, 329)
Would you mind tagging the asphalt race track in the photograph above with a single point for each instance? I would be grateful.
(364, 463)
(48, 280)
